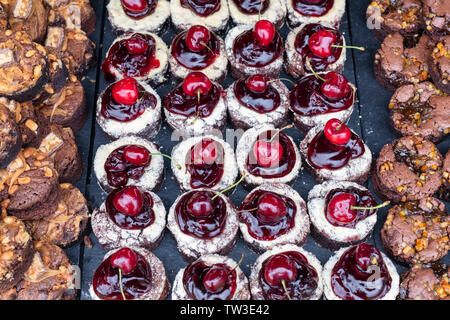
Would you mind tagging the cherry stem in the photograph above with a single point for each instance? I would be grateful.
(260, 9)
(279, 130)
(348, 47)
(168, 157)
(239, 262)
(230, 187)
(283, 283)
(282, 79)
(254, 209)
(308, 63)
(121, 285)
(207, 47)
(384, 204)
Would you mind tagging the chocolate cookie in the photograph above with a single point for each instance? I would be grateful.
(440, 64)
(10, 135)
(73, 14)
(4, 24)
(444, 190)
(29, 16)
(436, 15)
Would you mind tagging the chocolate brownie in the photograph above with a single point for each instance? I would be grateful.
(4, 24)
(440, 64)
(251, 11)
(409, 168)
(73, 14)
(444, 190)
(316, 11)
(10, 135)
(420, 109)
(29, 16)
(399, 62)
(436, 15)
(417, 231)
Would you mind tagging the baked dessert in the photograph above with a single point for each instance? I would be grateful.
(273, 215)
(315, 11)
(335, 152)
(398, 62)
(211, 277)
(286, 272)
(143, 56)
(195, 107)
(73, 14)
(360, 272)
(387, 17)
(417, 231)
(425, 282)
(444, 190)
(139, 16)
(255, 49)
(314, 48)
(257, 100)
(198, 49)
(267, 155)
(409, 168)
(129, 161)
(4, 24)
(439, 63)
(131, 217)
(128, 107)
(420, 109)
(130, 274)
(29, 16)
(436, 15)
(203, 222)
(11, 136)
(251, 11)
(204, 162)
(212, 14)
(315, 99)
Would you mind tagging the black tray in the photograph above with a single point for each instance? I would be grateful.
(369, 120)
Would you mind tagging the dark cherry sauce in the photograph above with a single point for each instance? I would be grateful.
(262, 230)
(130, 65)
(252, 6)
(111, 109)
(176, 101)
(350, 281)
(118, 170)
(201, 8)
(280, 169)
(249, 52)
(302, 288)
(195, 60)
(363, 199)
(312, 9)
(107, 286)
(144, 219)
(302, 47)
(201, 227)
(193, 282)
(263, 102)
(307, 98)
(151, 6)
(322, 154)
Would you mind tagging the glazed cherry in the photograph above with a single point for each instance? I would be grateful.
(200, 205)
(320, 43)
(267, 153)
(257, 83)
(337, 132)
(336, 86)
(340, 208)
(197, 38)
(365, 254)
(126, 91)
(136, 155)
(195, 83)
(129, 201)
(136, 45)
(215, 279)
(279, 268)
(124, 259)
(204, 152)
(264, 32)
(135, 6)
(271, 208)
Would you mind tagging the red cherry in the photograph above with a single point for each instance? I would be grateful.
(364, 255)
(129, 201)
(337, 132)
(135, 6)
(136, 44)
(196, 82)
(335, 86)
(204, 152)
(200, 205)
(320, 43)
(126, 91)
(264, 32)
(257, 83)
(267, 153)
(271, 207)
(197, 37)
(215, 279)
(124, 259)
(340, 208)
(279, 267)
(136, 155)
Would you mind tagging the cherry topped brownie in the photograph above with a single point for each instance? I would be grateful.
(417, 231)
(130, 216)
(204, 162)
(29, 16)
(286, 272)
(267, 155)
(139, 15)
(127, 161)
(273, 215)
(196, 106)
(315, 99)
(203, 222)
(349, 275)
(130, 273)
(335, 152)
(314, 48)
(436, 14)
(315, 11)
(74, 14)
(198, 49)
(129, 107)
(211, 277)
(420, 109)
(143, 56)
(439, 63)
(257, 100)
(409, 168)
(251, 11)
(444, 190)
(255, 49)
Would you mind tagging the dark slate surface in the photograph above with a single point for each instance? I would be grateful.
(370, 120)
